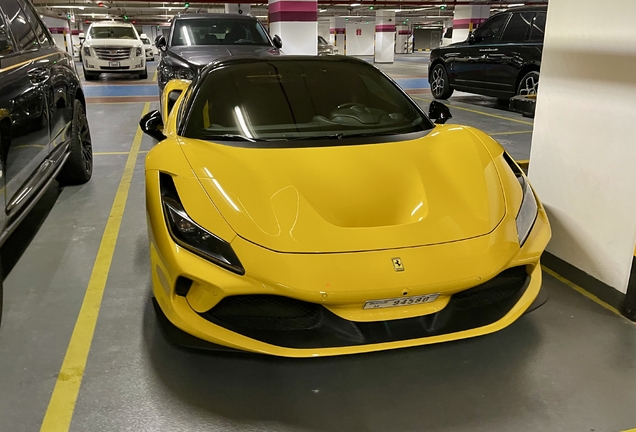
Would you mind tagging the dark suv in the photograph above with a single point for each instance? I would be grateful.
(44, 133)
(198, 39)
(501, 58)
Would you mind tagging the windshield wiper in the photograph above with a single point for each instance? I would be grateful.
(229, 137)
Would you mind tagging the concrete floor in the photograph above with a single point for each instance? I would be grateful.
(569, 366)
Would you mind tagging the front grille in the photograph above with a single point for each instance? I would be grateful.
(106, 68)
(113, 53)
(293, 323)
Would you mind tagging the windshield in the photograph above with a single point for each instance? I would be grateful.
(145, 41)
(112, 33)
(270, 100)
(218, 31)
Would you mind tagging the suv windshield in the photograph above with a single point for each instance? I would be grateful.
(300, 99)
(218, 31)
(112, 33)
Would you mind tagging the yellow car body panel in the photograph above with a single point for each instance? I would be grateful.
(323, 225)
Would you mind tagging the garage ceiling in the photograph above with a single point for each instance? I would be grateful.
(159, 13)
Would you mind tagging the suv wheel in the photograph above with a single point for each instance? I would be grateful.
(529, 84)
(144, 74)
(78, 168)
(440, 87)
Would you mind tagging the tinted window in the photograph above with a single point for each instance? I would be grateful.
(517, 28)
(489, 31)
(322, 40)
(40, 32)
(538, 28)
(6, 45)
(112, 33)
(218, 32)
(291, 100)
(22, 31)
(145, 41)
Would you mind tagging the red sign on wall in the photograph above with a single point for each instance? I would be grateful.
(358, 32)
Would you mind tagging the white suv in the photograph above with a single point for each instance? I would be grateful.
(113, 47)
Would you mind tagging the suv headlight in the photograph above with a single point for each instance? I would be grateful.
(87, 51)
(168, 73)
(528, 211)
(139, 51)
(193, 237)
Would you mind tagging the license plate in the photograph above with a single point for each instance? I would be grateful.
(113, 64)
(400, 301)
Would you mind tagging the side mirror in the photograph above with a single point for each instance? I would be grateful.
(471, 38)
(278, 43)
(151, 123)
(438, 112)
(160, 42)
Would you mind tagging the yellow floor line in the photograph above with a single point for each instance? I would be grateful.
(586, 294)
(480, 112)
(154, 77)
(630, 430)
(118, 153)
(510, 133)
(62, 404)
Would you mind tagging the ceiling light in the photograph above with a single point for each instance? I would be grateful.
(322, 10)
(355, 4)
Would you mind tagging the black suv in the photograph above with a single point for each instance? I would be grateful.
(44, 133)
(198, 39)
(501, 58)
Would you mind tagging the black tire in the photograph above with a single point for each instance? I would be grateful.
(529, 84)
(1, 295)
(144, 74)
(78, 168)
(89, 76)
(440, 86)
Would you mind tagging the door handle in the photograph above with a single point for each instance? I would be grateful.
(489, 50)
(38, 75)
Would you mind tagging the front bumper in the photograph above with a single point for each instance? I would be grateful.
(328, 291)
(134, 64)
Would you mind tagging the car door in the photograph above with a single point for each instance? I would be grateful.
(54, 66)
(24, 97)
(508, 56)
(465, 61)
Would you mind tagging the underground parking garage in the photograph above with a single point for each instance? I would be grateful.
(317, 216)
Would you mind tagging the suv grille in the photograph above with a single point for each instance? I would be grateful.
(112, 53)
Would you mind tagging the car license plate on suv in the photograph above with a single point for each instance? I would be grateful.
(400, 301)
(113, 64)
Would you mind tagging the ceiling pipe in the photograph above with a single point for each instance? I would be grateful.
(375, 3)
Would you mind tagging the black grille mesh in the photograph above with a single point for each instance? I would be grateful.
(293, 323)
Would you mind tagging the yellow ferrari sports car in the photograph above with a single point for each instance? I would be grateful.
(306, 206)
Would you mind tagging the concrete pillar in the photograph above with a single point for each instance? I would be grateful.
(402, 34)
(467, 19)
(583, 152)
(238, 8)
(60, 29)
(337, 33)
(295, 21)
(384, 36)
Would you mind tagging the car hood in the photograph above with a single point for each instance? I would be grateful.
(441, 188)
(204, 54)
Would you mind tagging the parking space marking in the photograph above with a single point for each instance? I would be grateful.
(510, 133)
(110, 153)
(62, 403)
(480, 112)
(154, 77)
(589, 295)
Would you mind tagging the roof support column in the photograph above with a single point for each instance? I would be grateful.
(466, 19)
(296, 22)
(384, 36)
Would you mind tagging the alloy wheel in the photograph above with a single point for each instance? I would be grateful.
(84, 136)
(530, 85)
(438, 81)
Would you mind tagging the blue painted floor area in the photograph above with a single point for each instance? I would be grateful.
(121, 90)
(412, 83)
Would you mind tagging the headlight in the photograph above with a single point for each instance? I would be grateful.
(139, 51)
(87, 51)
(527, 213)
(191, 236)
(185, 74)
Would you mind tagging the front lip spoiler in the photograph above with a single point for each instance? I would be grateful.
(541, 299)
